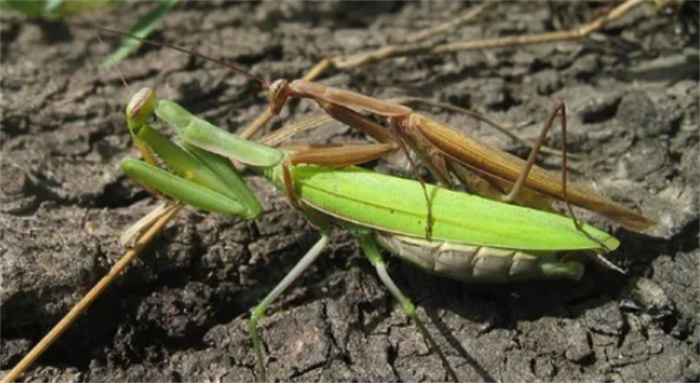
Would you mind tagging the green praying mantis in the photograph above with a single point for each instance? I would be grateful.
(473, 239)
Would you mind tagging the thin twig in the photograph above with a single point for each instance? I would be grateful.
(91, 296)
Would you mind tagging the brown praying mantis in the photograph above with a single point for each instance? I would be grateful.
(483, 169)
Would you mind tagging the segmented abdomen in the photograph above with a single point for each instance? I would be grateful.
(479, 263)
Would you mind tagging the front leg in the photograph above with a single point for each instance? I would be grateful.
(331, 156)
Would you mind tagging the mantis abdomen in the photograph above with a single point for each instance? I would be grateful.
(469, 263)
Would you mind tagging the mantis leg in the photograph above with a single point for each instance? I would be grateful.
(204, 179)
(558, 108)
(371, 250)
(352, 118)
(259, 310)
(337, 156)
(182, 189)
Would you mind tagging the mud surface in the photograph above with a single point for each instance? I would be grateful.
(180, 313)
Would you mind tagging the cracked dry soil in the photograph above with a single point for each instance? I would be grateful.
(180, 313)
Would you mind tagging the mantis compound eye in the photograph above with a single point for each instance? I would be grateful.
(279, 92)
(140, 107)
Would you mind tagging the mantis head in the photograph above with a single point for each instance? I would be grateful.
(141, 106)
(279, 93)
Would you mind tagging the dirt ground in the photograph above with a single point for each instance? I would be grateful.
(180, 313)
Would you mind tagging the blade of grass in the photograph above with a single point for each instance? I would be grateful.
(68, 8)
(29, 8)
(142, 29)
(52, 6)
(53, 9)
